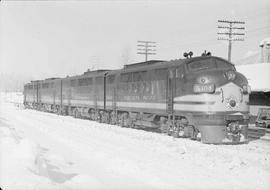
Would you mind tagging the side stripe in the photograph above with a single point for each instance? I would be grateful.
(194, 103)
(142, 105)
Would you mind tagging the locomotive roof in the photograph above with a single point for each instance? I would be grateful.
(152, 64)
(160, 63)
(96, 71)
(52, 78)
(146, 63)
(36, 81)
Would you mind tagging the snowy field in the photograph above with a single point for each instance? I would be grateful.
(46, 151)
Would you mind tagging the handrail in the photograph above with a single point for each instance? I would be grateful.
(241, 92)
(222, 95)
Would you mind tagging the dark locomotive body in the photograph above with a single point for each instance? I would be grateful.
(201, 98)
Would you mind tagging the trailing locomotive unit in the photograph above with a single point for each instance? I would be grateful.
(202, 98)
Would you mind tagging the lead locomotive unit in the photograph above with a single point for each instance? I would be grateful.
(201, 98)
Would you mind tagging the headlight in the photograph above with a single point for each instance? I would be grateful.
(203, 80)
(232, 103)
(204, 88)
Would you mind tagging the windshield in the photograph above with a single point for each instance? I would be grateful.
(210, 63)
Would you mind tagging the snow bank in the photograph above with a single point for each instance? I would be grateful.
(82, 182)
(17, 163)
(25, 165)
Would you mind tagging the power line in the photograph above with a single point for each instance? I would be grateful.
(231, 22)
(230, 33)
(146, 48)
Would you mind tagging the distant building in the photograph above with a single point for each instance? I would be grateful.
(259, 56)
(256, 68)
(265, 50)
(258, 75)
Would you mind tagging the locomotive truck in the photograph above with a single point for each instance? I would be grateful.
(202, 98)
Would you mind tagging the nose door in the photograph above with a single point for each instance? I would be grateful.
(231, 95)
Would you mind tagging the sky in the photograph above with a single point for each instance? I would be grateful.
(42, 39)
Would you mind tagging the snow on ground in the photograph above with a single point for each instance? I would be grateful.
(47, 151)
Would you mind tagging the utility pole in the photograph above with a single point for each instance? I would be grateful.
(230, 28)
(146, 48)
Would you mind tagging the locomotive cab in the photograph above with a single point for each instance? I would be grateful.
(215, 98)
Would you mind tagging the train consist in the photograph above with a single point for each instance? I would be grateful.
(202, 98)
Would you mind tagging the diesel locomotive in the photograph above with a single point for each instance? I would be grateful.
(202, 98)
